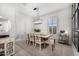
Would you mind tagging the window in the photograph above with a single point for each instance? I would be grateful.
(52, 24)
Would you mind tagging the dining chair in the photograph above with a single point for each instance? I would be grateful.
(51, 42)
(27, 39)
(38, 41)
(32, 38)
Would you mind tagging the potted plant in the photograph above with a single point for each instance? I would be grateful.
(37, 30)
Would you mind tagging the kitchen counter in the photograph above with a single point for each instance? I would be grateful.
(7, 45)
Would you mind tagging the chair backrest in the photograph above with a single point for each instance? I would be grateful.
(31, 36)
(37, 37)
(51, 37)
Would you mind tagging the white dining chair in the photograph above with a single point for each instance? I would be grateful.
(31, 38)
(38, 41)
(27, 39)
(51, 42)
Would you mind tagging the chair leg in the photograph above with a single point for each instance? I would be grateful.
(44, 45)
(52, 47)
(35, 44)
(29, 42)
(54, 43)
(26, 41)
(40, 47)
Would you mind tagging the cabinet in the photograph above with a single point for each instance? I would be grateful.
(7, 46)
(63, 38)
(2, 52)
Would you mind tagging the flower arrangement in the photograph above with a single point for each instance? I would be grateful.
(37, 30)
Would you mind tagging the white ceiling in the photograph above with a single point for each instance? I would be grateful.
(44, 8)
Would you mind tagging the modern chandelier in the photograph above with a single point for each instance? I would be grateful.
(37, 17)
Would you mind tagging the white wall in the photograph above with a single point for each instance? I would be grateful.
(64, 22)
(8, 12)
(20, 22)
(23, 23)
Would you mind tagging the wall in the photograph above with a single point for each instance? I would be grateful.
(21, 23)
(8, 12)
(64, 22)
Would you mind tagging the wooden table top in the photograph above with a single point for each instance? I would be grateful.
(45, 35)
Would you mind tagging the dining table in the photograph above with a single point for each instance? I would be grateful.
(44, 37)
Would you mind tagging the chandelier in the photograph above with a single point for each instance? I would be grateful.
(37, 17)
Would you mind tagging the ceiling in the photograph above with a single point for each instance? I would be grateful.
(44, 8)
